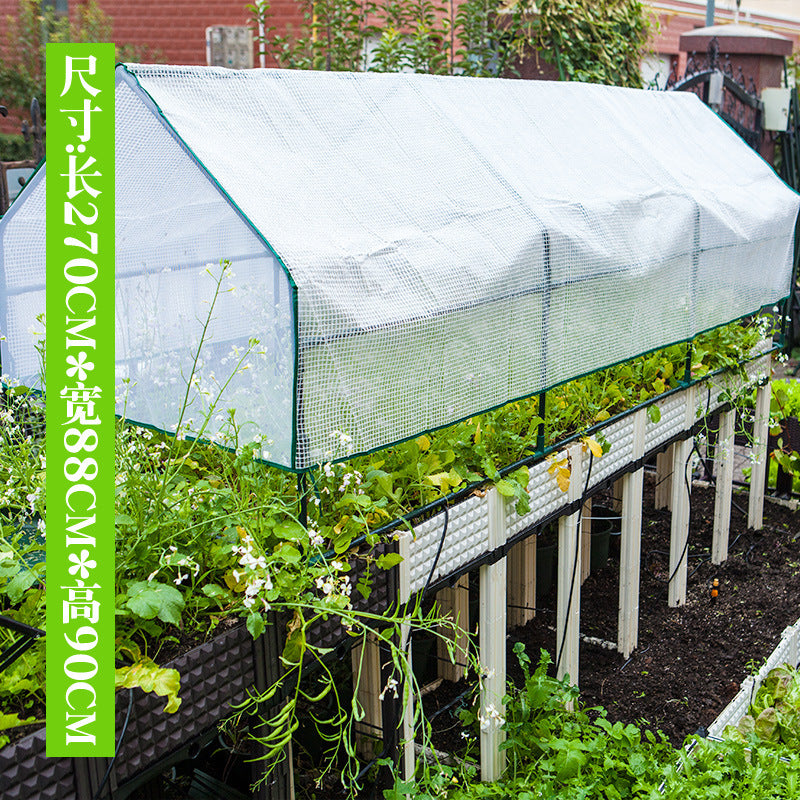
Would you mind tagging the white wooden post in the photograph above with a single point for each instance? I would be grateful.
(586, 540)
(681, 498)
(663, 490)
(568, 611)
(407, 760)
(630, 545)
(723, 454)
(454, 603)
(367, 669)
(492, 643)
(522, 582)
(616, 496)
(755, 507)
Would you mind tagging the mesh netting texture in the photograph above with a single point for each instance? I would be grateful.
(408, 250)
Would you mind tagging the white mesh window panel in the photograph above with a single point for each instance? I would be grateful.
(409, 250)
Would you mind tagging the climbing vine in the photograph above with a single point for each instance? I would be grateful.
(595, 41)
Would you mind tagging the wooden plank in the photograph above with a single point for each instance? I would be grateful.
(367, 671)
(630, 546)
(408, 757)
(663, 490)
(681, 498)
(522, 582)
(586, 540)
(568, 604)
(492, 644)
(723, 454)
(758, 457)
(454, 603)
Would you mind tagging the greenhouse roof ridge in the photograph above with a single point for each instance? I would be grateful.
(410, 250)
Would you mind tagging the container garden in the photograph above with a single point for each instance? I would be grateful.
(679, 414)
(214, 676)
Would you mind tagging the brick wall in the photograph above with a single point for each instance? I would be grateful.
(176, 28)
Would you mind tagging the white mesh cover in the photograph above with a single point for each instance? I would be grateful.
(447, 244)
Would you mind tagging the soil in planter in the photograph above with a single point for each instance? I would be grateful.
(690, 660)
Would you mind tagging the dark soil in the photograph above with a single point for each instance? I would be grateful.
(690, 660)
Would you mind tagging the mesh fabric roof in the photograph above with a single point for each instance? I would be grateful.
(408, 250)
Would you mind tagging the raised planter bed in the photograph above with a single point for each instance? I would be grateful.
(214, 676)
(466, 539)
(786, 652)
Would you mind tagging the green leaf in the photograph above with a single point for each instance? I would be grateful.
(288, 553)
(19, 584)
(13, 721)
(295, 646)
(255, 624)
(152, 599)
(653, 413)
(388, 560)
(568, 763)
(506, 488)
(293, 531)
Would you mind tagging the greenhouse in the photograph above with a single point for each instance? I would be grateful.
(408, 250)
(492, 324)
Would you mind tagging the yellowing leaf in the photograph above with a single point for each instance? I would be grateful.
(601, 416)
(233, 584)
(423, 442)
(562, 479)
(594, 446)
(146, 674)
(337, 529)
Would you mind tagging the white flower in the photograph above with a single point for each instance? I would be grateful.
(152, 575)
(391, 686)
(337, 566)
(315, 538)
(490, 718)
(180, 579)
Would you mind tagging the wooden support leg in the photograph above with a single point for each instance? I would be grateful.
(755, 507)
(630, 547)
(568, 606)
(454, 603)
(522, 582)
(722, 501)
(616, 495)
(679, 530)
(367, 671)
(663, 489)
(407, 756)
(492, 644)
(586, 540)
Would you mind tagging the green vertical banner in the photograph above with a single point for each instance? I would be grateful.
(80, 400)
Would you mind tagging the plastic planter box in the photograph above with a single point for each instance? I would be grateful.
(787, 652)
(214, 675)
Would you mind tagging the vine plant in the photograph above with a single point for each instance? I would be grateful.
(587, 41)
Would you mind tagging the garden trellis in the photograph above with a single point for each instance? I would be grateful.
(408, 250)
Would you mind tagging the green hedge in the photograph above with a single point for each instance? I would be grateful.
(14, 148)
